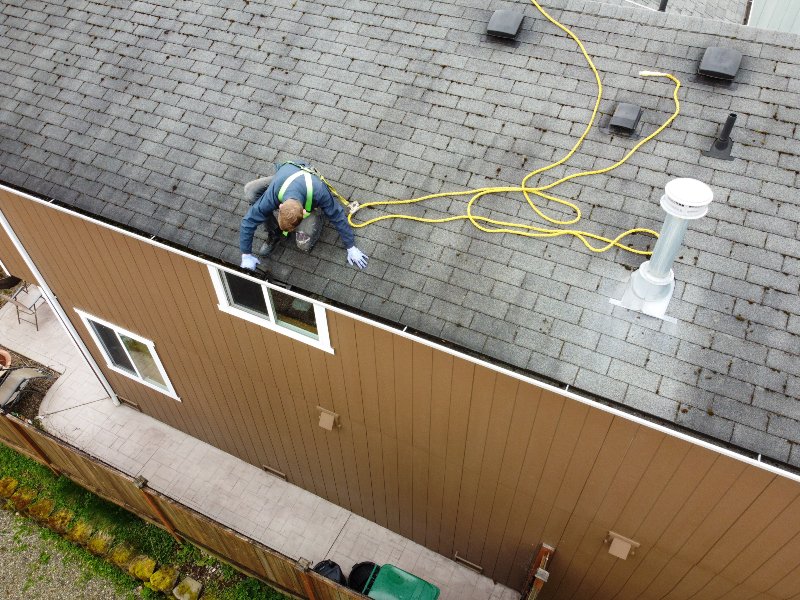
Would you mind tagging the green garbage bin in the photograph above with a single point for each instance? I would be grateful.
(393, 583)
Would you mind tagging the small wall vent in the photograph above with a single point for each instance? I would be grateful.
(625, 119)
(720, 63)
(505, 24)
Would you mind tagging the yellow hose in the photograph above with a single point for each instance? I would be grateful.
(496, 226)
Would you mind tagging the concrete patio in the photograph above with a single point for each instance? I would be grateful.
(239, 495)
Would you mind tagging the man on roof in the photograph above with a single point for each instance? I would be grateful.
(293, 200)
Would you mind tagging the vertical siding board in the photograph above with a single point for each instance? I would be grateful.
(525, 407)
(477, 428)
(559, 455)
(348, 353)
(421, 376)
(334, 442)
(403, 395)
(541, 434)
(442, 371)
(387, 413)
(336, 379)
(592, 437)
(499, 424)
(305, 358)
(370, 385)
(460, 400)
(287, 377)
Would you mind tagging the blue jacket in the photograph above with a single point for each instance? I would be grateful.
(262, 209)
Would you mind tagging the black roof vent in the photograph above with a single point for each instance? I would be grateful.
(505, 24)
(625, 119)
(720, 63)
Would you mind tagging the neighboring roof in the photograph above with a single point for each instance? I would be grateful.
(154, 115)
(733, 11)
(780, 15)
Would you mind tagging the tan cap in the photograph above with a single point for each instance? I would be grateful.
(290, 213)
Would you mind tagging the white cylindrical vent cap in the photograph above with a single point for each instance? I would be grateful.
(686, 198)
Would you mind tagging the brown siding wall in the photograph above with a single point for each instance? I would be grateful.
(444, 451)
(11, 258)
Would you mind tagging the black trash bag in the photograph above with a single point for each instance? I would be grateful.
(362, 575)
(331, 570)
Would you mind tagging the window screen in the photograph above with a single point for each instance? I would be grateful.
(246, 294)
(113, 347)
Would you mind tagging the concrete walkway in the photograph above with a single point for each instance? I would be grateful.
(226, 489)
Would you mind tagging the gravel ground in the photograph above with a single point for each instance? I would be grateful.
(32, 568)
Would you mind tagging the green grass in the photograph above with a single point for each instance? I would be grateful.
(228, 584)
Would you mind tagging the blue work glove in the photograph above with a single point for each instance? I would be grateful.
(357, 257)
(249, 262)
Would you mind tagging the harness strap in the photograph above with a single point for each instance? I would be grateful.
(309, 188)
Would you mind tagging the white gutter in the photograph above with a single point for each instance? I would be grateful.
(52, 300)
(402, 333)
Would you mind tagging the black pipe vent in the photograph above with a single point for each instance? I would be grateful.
(505, 24)
(720, 63)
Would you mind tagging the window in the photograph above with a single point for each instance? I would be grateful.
(272, 307)
(129, 354)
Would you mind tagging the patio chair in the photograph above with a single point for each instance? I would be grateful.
(27, 300)
(13, 383)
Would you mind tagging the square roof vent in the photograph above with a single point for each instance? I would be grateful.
(625, 119)
(505, 24)
(720, 63)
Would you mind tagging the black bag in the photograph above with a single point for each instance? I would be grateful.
(329, 569)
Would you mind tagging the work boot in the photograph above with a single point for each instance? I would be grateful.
(267, 247)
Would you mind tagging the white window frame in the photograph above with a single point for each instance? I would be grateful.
(87, 318)
(271, 323)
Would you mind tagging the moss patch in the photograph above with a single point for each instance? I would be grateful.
(164, 579)
(142, 567)
(122, 555)
(41, 509)
(23, 497)
(8, 486)
(100, 543)
(80, 533)
(60, 520)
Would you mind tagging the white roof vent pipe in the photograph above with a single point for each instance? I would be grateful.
(652, 284)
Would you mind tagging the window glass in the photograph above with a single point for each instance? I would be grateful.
(140, 354)
(246, 294)
(113, 348)
(294, 313)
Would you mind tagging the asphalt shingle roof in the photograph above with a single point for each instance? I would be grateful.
(156, 113)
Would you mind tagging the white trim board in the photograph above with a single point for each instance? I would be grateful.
(499, 369)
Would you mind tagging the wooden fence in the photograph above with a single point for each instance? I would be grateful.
(247, 555)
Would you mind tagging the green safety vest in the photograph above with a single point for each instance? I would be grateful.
(309, 190)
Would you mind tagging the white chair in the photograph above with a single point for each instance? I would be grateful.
(27, 300)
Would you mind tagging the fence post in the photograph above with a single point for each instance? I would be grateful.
(305, 565)
(141, 483)
(31, 444)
